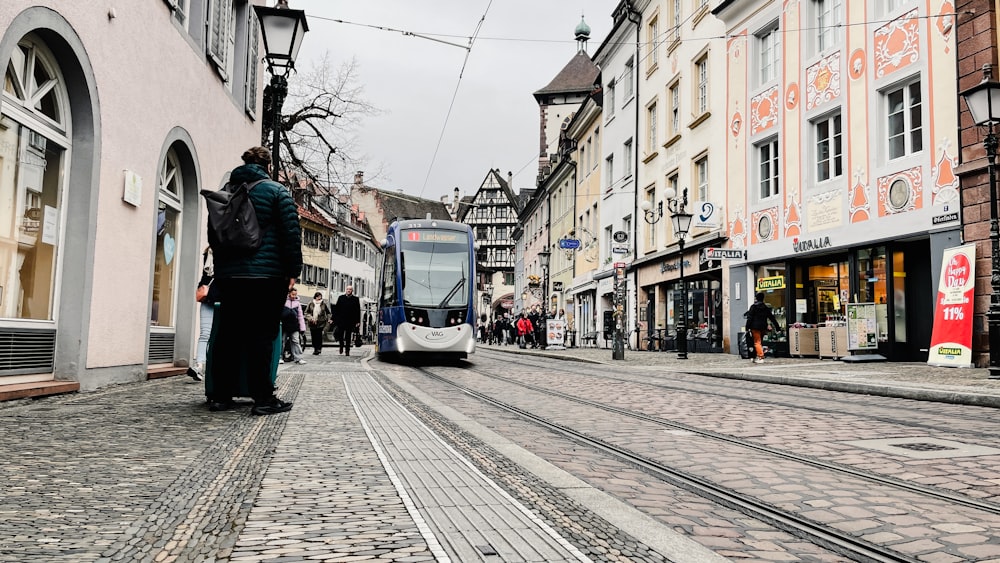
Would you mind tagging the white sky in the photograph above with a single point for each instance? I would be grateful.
(494, 123)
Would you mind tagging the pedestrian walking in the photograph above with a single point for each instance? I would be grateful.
(348, 318)
(293, 325)
(251, 287)
(318, 317)
(757, 318)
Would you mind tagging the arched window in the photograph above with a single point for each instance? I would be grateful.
(34, 140)
(167, 230)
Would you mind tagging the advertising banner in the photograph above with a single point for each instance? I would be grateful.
(555, 332)
(951, 339)
(862, 328)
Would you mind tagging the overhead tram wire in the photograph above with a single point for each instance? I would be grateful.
(454, 96)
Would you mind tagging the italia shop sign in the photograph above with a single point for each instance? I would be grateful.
(807, 245)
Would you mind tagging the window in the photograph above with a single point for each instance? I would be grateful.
(629, 78)
(675, 109)
(675, 21)
(701, 71)
(609, 167)
(829, 148)
(904, 120)
(701, 175)
(253, 63)
(768, 54)
(767, 160)
(828, 22)
(180, 10)
(167, 231)
(627, 157)
(673, 183)
(652, 43)
(609, 100)
(651, 135)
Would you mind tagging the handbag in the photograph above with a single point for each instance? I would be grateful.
(202, 292)
(357, 340)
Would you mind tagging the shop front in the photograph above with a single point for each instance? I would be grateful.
(886, 285)
(661, 298)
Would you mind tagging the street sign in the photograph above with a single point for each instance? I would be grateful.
(569, 243)
(725, 254)
(620, 236)
(619, 250)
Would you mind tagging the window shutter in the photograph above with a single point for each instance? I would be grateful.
(219, 12)
(252, 65)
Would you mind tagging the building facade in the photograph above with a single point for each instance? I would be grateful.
(841, 154)
(103, 230)
(492, 214)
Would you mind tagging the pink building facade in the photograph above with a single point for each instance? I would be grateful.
(112, 117)
(841, 149)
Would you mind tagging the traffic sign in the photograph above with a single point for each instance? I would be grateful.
(569, 243)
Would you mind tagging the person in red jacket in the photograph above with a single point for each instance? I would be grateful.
(525, 330)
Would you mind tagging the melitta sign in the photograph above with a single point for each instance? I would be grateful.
(817, 243)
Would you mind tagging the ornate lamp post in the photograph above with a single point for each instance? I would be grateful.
(652, 217)
(543, 261)
(682, 223)
(282, 30)
(983, 100)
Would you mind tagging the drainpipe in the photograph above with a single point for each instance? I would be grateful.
(635, 169)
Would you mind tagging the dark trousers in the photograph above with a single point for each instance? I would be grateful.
(250, 314)
(316, 334)
(346, 337)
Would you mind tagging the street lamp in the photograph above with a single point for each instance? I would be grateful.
(983, 100)
(682, 222)
(543, 261)
(282, 30)
(652, 217)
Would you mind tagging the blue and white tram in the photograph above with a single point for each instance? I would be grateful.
(427, 303)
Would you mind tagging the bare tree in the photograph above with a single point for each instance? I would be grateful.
(318, 125)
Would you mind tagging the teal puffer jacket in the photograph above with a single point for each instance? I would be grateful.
(280, 252)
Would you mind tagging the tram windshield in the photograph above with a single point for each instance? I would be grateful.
(435, 268)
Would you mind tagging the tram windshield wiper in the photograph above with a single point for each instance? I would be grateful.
(454, 290)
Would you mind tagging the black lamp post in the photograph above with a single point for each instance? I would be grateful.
(282, 30)
(983, 100)
(543, 261)
(682, 222)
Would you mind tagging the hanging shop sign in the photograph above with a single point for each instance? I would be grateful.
(775, 282)
(707, 215)
(569, 243)
(951, 338)
(725, 254)
(557, 286)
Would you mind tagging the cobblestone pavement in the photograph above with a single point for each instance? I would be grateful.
(144, 472)
(909, 380)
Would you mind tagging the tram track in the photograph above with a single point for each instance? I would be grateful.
(819, 534)
(918, 420)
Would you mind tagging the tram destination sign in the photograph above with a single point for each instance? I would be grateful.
(725, 254)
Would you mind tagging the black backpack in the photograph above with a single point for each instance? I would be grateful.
(232, 219)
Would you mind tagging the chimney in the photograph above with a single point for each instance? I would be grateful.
(359, 178)
(510, 180)
(457, 192)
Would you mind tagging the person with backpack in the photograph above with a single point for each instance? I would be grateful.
(318, 317)
(757, 318)
(254, 275)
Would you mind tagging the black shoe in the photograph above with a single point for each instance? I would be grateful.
(223, 405)
(273, 405)
(316, 353)
(195, 374)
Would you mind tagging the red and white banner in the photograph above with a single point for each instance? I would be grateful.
(951, 339)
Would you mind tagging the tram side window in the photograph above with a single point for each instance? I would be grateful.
(389, 297)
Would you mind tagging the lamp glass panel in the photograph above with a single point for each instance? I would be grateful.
(280, 39)
(982, 101)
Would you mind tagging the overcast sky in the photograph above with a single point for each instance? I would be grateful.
(521, 46)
